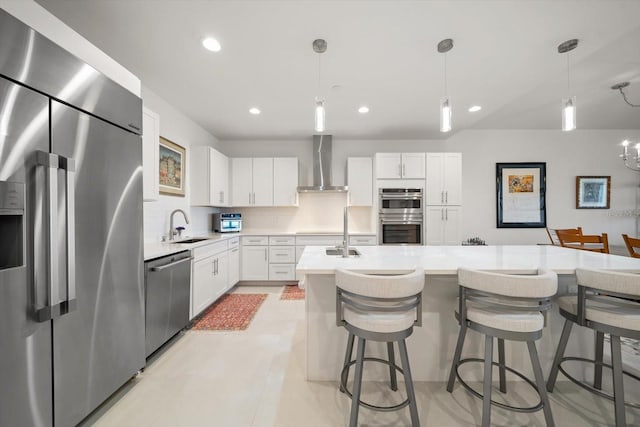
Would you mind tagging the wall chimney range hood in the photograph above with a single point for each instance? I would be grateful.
(322, 149)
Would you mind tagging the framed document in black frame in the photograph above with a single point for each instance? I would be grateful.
(521, 190)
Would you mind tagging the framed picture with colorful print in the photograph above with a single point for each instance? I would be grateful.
(521, 190)
(172, 168)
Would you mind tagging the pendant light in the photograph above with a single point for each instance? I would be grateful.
(569, 102)
(319, 47)
(445, 104)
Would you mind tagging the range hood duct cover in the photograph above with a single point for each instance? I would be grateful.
(322, 150)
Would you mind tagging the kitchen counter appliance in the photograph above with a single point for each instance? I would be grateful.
(400, 216)
(71, 269)
(227, 222)
(167, 281)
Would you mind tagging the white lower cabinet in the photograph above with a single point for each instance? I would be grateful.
(209, 275)
(233, 275)
(255, 262)
(443, 225)
(282, 272)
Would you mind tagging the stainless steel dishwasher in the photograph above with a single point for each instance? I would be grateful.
(167, 281)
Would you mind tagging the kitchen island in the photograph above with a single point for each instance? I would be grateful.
(431, 346)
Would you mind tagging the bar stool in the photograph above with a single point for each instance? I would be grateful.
(507, 307)
(605, 303)
(380, 308)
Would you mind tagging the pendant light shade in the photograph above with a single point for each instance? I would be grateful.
(445, 115)
(445, 103)
(569, 102)
(319, 116)
(569, 114)
(319, 47)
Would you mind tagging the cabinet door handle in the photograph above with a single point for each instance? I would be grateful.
(446, 214)
(265, 254)
(442, 197)
(441, 214)
(221, 196)
(249, 198)
(235, 250)
(399, 170)
(446, 197)
(404, 169)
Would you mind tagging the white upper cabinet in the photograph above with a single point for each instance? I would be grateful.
(262, 182)
(444, 179)
(209, 177)
(241, 181)
(150, 154)
(360, 181)
(400, 165)
(285, 181)
(252, 181)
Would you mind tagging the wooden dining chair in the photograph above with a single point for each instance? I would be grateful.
(585, 242)
(553, 233)
(633, 246)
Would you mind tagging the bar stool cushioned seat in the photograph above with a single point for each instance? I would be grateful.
(506, 307)
(380, 308)
(607, 302)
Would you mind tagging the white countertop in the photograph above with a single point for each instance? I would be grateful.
(447, 259)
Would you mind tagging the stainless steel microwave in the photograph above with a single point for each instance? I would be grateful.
(227, 222)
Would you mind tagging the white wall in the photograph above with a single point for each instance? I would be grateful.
(582, 152)
(176, 127)
(38, 18)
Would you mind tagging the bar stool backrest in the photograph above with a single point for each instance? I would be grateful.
(585, 242)
(544, 284)
(553, 233)
(613, 282)
(381, 286)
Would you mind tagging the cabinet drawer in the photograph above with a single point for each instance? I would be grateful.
(329, 240)
(255, 240)
(282, 240)
(278, 254)
(282, 271)
(362, 240)
(202, 252)
(234, 242)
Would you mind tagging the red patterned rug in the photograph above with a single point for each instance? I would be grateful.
(292, 292)
(232, 312)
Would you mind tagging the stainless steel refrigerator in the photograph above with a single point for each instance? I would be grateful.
(71, 264)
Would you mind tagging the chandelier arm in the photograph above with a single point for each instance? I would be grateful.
(631, 167)
(624, 96)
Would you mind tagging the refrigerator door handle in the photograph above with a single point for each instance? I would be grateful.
(51, 164)
(69, 166)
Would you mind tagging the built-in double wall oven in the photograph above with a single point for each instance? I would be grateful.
(400, 216)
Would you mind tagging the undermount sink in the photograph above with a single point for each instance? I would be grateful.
(193, 240)
(338, 251)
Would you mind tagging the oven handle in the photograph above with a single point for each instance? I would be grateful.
(414, 222)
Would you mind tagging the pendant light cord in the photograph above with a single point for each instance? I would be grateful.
(319, 73)
(446, 90)
(568, 77)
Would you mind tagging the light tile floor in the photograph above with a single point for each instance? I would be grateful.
(256, 378)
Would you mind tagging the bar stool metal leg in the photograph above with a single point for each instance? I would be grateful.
(562, 345)
(537, 372)
(347, 360)
(486, 389)
(597, 374)
(456, 356)
(357, 383)
(408, 380)
(501, 364)
(392, 367)
(618, 387)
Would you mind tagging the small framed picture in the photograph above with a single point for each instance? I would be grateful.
(593, 192)
(171, 168)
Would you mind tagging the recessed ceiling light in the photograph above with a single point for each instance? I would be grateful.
(255, 111)
(363, 110)
(211, 44)
(475, 108)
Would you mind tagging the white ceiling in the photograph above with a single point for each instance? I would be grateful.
(381, 54)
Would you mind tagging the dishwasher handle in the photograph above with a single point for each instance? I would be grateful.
(171, 264)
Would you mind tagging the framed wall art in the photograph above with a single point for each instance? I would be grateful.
(521, 190)
(593, 192)
(172, 168)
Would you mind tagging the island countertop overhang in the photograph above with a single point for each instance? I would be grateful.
(445, 260)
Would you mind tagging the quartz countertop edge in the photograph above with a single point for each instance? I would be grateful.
(446, 260)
